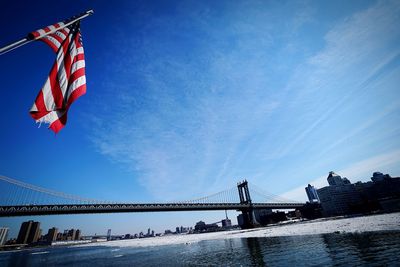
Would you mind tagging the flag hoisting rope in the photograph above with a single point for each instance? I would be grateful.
(66, 81)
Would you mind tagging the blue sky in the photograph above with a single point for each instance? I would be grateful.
(185, 98)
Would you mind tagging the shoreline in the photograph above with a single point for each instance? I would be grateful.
(339, 225)
(369, 223)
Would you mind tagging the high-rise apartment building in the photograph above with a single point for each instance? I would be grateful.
(109, 234)
(52, 234)
(24, 232)
(71, 234)
(339, 197)
(3, 235)
(29, 232)
(78, 234)
(35, 233)
(312, 194)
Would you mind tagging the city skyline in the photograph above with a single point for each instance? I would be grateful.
(186, 97)
(310, 191)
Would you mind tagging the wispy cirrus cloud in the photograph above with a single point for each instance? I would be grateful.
(214, 94)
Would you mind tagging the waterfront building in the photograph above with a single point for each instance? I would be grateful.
(24, 232)
(29, 232)
(382, 193)
(109, 234)
(335, 179)
(312, 194)
(311, 210)
(59, 236)
(52, 234)
(203, 227)
(71, 234)
(379, 177)
(267, 216)
(200, 226)
(226, 223)
(3, 235)
(78, 234)
(342, 197)
(339, 197)
(35, 233)
(128, 236)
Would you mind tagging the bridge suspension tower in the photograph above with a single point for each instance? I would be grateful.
(249, 220)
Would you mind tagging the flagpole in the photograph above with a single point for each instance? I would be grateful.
(28, 39)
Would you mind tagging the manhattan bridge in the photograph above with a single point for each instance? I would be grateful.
(18, 198)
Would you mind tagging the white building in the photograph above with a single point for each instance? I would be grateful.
(3, 235)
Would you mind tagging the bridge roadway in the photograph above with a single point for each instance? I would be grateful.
(28, 210)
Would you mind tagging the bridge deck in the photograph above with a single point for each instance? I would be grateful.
(28, 210)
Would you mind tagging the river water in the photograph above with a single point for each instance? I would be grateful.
(380, 248)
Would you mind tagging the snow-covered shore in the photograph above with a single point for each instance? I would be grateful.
(382, 222)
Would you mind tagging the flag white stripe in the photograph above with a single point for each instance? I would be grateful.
(77, 83)
(61, 35)
(48, 95)
(34, 107)
(77, 65)
(53, 40)
(41, 31)
(51, 117)
(79, 50)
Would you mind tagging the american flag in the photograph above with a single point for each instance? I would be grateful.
(66, 81)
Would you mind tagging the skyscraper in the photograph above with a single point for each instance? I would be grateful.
(71, 234)
(3, 235)
(109, 234)
(52, 234)
(24, 232)
(312, 194)
(78, 234)
(29, 232)
(34, 233)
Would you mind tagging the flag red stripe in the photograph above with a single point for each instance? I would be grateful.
(57, 125)
(78, 92)
(57, 37)
(40, 106)
(78, 73)
(50, 43)
(55, 86)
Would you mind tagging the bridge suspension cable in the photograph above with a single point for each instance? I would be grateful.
(268, 196)
(226, 196)
(24, 192)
